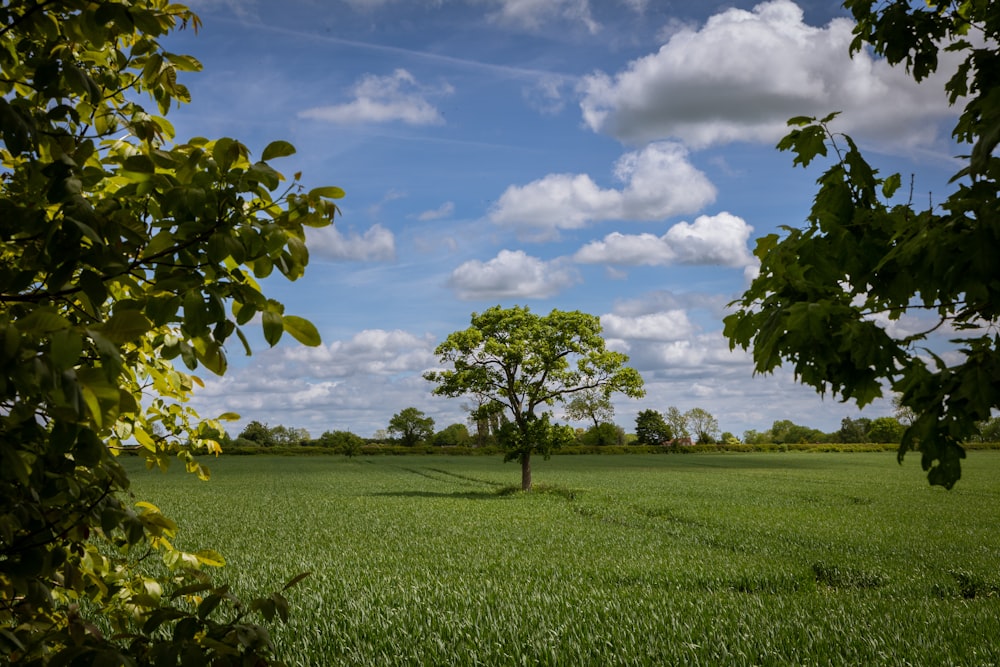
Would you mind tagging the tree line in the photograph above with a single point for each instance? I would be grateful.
(411, 427)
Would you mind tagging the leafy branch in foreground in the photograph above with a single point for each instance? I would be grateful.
(829, 296)
(121, 251)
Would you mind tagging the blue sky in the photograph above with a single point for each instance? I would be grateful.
(611, 156)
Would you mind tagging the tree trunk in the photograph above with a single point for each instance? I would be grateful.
(526, 471)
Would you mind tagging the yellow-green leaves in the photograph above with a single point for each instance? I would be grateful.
(123, 252)
(277, 149)
(302, 330)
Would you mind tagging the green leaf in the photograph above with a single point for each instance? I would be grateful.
(125, 326)
(140, 164)
(302, 330)
(277, 149)
(330, 192)
(274, 326)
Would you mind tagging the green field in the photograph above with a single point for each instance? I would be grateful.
(698, 559)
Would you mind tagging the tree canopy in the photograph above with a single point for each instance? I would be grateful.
(527, 363)
(411, 426)
(122, 251)
(827, 294)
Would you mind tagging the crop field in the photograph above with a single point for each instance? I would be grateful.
(697, 559)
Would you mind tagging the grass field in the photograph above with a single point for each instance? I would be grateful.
(698, 559)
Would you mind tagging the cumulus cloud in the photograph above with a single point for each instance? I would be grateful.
(744, 73)
(376, 245)
(659, 182)
(663, 326)
(511, 274)
(717, 239)
(384, 99)
(369, 352)
(442, 211)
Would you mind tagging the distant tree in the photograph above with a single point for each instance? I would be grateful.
(703, 425)
(784, 431)
(854, 430)
(287, 436)
(528, 362)
(678, 423)
(903, 413)
(454, 435)
(989, 430)
(411, 426)
(342, 442)
(651, 428)
(754, 437)
(827, 294)
(487, 416)
(886, 430)
(728, 438)
(590, 405)
(603, 434)
(258, 433)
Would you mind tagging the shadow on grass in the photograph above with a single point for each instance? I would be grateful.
(469, 495)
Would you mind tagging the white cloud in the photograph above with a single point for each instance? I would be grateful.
(744, 73)
(375, 245)
(718, 239)
(511, 274)
(534, 14)
(659, 182)
(384, 99)
(369, 352)
(442, 211)
(669, 325)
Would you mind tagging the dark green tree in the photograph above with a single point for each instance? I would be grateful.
(526, 363)
(651, 429)
(854, 430)
(121, 251)
(886, 430)
(603, 435)
(454, 435)
(258, 433)
(824, 291)
(342, 442)
(411, 426)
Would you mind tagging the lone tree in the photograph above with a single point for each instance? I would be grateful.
(121, 250)
(826, 293)
(411, 426)
(527, 363)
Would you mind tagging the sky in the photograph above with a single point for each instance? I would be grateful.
(611, 156)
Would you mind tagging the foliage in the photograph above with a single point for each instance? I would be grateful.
(886, 430)
(800, 558)
(454, 435)
(826, 294)
(342, 442)
(412, 426)
(604, 434)
(258, 433)
(120, 251)
(651, 429)
(526, 363)
(854, 430)
(678, 423)
(703, 424)
(989, 430)
(591, 405)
